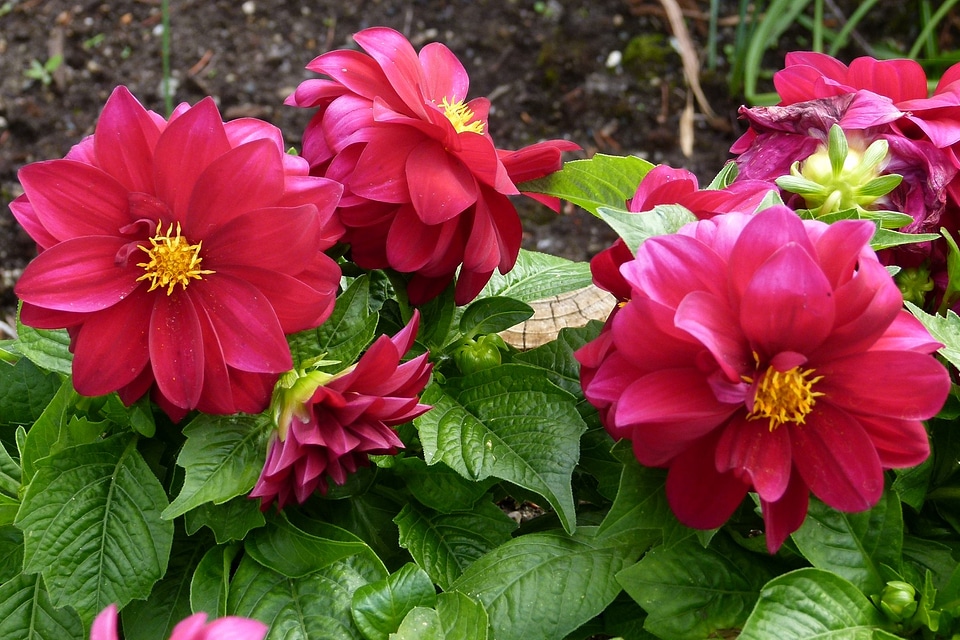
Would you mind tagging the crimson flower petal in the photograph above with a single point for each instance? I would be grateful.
(275, 238)
(750, 448)
(176, 351)
(124, 141)
(698, 494)
(837, 460)
(785, 515)
(441, 186)
(399, 62)
(111, 348)
(443, 74)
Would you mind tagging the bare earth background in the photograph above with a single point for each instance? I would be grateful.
(601, 73)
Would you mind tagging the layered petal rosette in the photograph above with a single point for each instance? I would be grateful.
(766, 353)
(195, 627)
(328, 426)
(177, 255)
(426, 191)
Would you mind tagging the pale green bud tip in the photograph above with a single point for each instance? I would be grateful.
(291, 395)
(914, 283)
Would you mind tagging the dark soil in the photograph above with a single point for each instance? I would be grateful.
(550, 69)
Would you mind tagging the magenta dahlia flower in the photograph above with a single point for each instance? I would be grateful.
(328, 426)
(426, 191)
(177, 255)
(765, 353)
(195, 627)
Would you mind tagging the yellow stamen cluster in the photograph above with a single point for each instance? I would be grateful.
(460, 115)
(784, 396)
(172, 260)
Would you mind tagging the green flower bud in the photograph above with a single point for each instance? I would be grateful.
(477, 355)
(898, 601)
(914, 283)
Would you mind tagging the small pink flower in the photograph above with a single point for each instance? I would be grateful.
(195, 627)
(765, 353)
(329, 426)
(426, 190)
(177, 255)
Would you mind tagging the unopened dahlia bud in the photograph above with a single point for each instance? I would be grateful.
(898, 600)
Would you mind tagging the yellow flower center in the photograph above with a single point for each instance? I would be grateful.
(784, 396)
(460, 115)
(172, 260)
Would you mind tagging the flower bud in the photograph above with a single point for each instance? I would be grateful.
(898, 600)
(914, 283)
(480, 354)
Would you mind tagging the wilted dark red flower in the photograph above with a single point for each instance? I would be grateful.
(426, 191)
(767, 353)
(178, 254)
(327, 427)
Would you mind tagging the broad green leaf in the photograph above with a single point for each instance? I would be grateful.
(49, 350)
(922, 557)
(48, 434)
(811, 604)
(444, 545)
(887, 238)
(911, 484)
(9, 487)
(462, 617)
(692, 592)
(641, 503)
(232, 520)
(379, 607)
(420, 623)
(545, 585)
(223, 456)
(288, 550)
(368, 516)
(314, 606)
(854, 545)
(635, 228)
(25, 391)
(602, 180)
(439, 487)
(26, 612)
(492, 315)
(92, 526)
(507, 423)
(945, 329)
(11, 552)
(169, 601)
(556, 357)
(537, 276)
(210, 585)
(345, 334)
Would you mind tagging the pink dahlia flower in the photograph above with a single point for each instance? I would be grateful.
(328, 426)
(766, 353)
(177, 255)
(193, 628)
(426, 191)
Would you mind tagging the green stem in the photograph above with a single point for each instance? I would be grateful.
(165, 55)
(926, 34)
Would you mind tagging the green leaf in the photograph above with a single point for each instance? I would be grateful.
(602, 180)
(507, 423)
(811, 603)
(492, 315)
(420, 623)
(635, 228)
(379, 607)
(537, 276)
(692, 592)
(232, 520)
(292, 552)
(169, 601)
(314, 606)
(26, 612)
(223, 456)
(345, 334)
(25, 391)
(439, 487)
(641, 503)
(556, 357)
(11, 552)
(887, 238)
(210, 585)
(944, 329)
(462, 617)
(92, 526)
(545, 585)
(49, 350)
(369, 517)
(854, 545)
(444, 545)
(48, 434)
